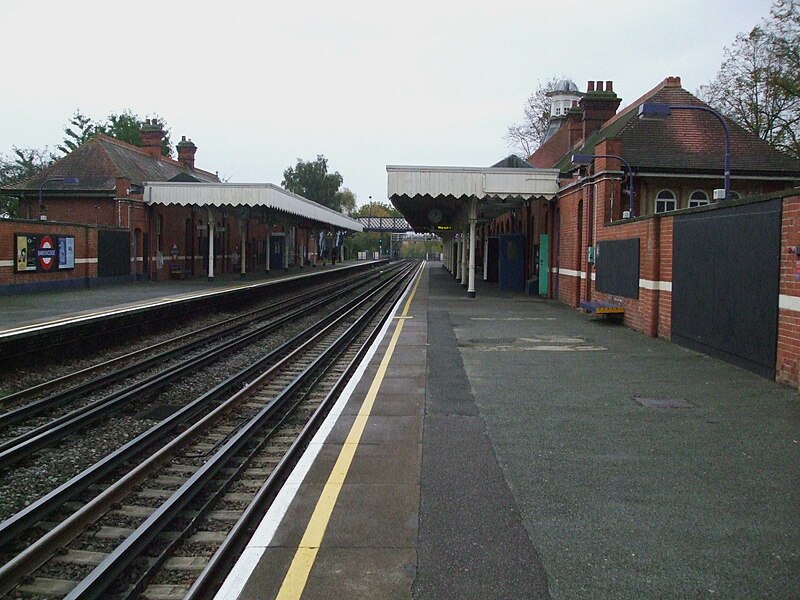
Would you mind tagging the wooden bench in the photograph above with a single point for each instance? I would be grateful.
(176, 271)
(610, 310)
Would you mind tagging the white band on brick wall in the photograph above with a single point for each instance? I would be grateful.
(647, 284)
(789, 302)
(569, 273)
(661, 286)
(78, 261)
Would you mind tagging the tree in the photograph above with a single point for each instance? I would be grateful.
(79, 130)
(312, 180)
(377, 209)
(757, 83)
(125, 126)
(786, 42)
(373, 241)
(346, 200)
(524, 138)
(25, 163)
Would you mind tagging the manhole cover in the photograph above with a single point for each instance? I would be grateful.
(663, 402)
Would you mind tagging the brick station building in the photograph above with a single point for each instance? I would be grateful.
(146, 216)
(639, 227)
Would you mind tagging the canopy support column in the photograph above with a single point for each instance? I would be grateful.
(269, 249)
(459, 247)
(464, 257)
(473, 218)
(211, 232)
(242, 248)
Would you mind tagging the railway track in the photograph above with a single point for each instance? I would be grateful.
(23, 431)
(164, 515)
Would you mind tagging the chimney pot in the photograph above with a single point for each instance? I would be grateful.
(609, 86)
(599, 86)
(590, 86)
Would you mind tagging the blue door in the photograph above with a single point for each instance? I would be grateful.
(277, 247)
(511, 267)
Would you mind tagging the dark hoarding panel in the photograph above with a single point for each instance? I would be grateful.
(726, 279)
(617, 266)
(113, 253)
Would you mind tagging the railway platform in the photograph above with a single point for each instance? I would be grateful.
(18, 310)
(510, 447)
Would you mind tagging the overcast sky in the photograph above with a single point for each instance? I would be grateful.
(257, 85)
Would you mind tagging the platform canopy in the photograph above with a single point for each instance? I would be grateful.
(438, 198)
(250, 195)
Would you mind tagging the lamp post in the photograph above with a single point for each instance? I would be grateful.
(67, 180)
(586, 159)
(656, 110)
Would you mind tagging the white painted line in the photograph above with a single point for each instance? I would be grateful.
(143, 304)
(243, 569)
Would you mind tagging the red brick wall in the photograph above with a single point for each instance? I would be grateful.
(85, 252)
(787, 364)
(651, 313)
(571, 255)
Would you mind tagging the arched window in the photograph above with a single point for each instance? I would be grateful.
(698, 198)
(665, 200)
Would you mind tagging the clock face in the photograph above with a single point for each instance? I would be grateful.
(434, 215)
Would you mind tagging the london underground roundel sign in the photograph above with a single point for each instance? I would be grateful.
(46, 253)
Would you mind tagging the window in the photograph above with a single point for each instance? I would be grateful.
(735, 195)
(665, 200)
(698, 198)
(558, 110)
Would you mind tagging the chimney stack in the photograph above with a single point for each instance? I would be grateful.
(151, 137)
(186, 152)
(598, 106)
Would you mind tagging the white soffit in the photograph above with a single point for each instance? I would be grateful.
(245, 194)
(472, 182)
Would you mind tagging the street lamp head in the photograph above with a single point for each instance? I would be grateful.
(582, 159)
(654, 111)
(71, 180)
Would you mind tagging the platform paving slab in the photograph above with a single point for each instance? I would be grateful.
(623, 499)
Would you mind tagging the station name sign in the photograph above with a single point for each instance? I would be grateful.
(43, 253)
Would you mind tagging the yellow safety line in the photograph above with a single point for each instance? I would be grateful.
(295, 581)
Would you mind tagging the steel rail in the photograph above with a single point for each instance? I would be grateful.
(210, 578)
(211, 332)
(105, 574)
(23, 445)
(40, 550)
(37, 510)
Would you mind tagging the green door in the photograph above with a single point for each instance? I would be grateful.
(544, 263)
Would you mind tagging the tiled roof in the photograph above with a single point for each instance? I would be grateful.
(694, 140)
(688, 141)
(549, 153)
(98, 163)
(512, 161)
